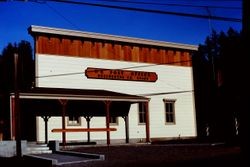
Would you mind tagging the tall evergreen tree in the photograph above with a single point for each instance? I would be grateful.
(25, 66)
(26, 77)
(216, 76)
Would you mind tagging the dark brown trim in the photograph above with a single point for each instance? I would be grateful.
(107, 106)
(63, 102)
(147, 122)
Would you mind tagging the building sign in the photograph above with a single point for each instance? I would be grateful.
(118, 74)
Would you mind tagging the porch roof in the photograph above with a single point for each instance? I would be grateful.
(79, 94)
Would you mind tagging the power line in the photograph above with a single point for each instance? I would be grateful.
(148, 94)
(62, 16)
(229, 19)
(145, 10)
(206, 0)
(141, 10)
(164, 93)
(170, 4)
(125, 68)
(152, 11)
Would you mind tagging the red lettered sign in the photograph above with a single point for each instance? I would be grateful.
(118, 74)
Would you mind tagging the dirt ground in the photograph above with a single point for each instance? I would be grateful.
(152, 155)
(163, 155)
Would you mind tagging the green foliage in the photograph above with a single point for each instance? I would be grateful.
(216, 78)
(25, 66)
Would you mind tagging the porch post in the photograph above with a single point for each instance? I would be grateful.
(63, 103)
(107, 105)
(46, 119)
(126, 127)
(147, 122)
(88, 118)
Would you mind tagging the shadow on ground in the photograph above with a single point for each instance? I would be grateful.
(149, 155)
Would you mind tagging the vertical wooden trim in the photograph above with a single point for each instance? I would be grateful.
(88, 126)
(73, 47)
(50, 46)
(60, 46)
(162, 54)
(13, 118)
(107, 106)
(155, 56)
(104, 53)
(135, 54)
(147, 122)
(126, 120)
(117, 51)
(87, 45)
(185, 59)
(46, 119)
(17, 108)
(110, 51)
(93, 51)
(177, 58)
(189, 57)
(37, 49)
(121, 56)
(170, 55)
(63, 102)
(102, 49)
(88, 119)
(127, 53)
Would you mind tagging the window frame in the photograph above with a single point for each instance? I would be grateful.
(116, 123)
(171, 113)
(71, 123)
(141, 114)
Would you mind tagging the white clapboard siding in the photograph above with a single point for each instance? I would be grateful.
(68, 72)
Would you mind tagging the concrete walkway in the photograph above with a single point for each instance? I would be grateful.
(67, 157)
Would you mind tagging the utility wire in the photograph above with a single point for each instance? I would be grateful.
(164, 93)
(151, 94)
(125, 68)
(229, 19)
(170, 4)
(146, 10)
(220, 0)
(62, 16)
(142, 10)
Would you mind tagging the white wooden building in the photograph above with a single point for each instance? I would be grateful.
(158, 73)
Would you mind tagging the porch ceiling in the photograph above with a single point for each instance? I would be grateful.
(45, 101)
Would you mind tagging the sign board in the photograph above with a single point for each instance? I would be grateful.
(119, 74)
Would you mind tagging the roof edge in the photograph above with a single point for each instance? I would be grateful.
(79, 94)
(59, 31)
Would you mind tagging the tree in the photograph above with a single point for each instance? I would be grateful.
(25, 66)
(26, 76)
(216, 75)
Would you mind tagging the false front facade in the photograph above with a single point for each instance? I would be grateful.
(121, 89)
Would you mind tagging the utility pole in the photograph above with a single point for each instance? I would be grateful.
(16, 109)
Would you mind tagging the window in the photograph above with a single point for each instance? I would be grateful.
(142, 114)
(74, 120)
(169, 111)
(113, 120)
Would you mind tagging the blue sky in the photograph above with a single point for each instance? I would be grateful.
(16, 17)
